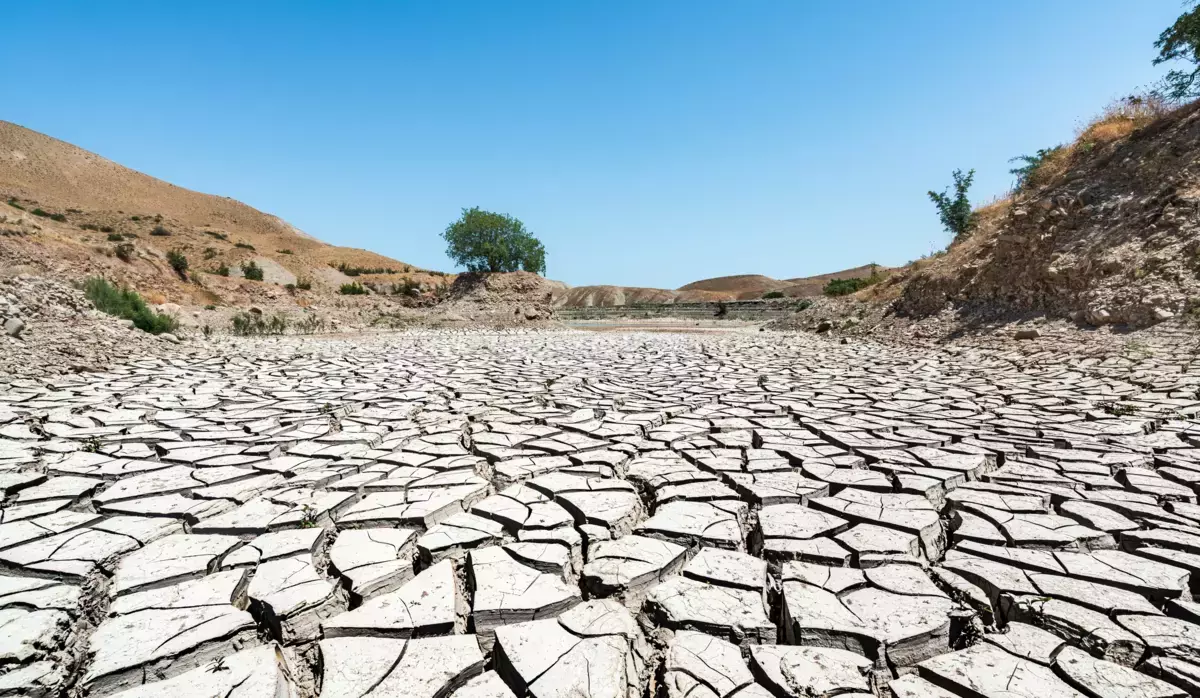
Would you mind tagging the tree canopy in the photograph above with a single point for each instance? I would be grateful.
(1181, 41)
(955, 213)
(485, 241)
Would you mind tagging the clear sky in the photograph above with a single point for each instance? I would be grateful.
(647, 143)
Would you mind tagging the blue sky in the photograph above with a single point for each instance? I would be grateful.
(646, 143)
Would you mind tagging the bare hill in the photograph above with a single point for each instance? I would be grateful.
(722, 288)
(71, 210)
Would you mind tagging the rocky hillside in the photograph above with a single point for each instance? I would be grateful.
(71, 213)
(1107, 233)
(722, 288)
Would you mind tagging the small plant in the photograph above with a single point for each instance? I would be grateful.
(135, 218)
(354, 289)
(124, 251)
(1029, 174)
(304, 283)
(722, 309)
(106, 229)
(159, 231)
(215, 234)
(441, 291)
(210, 306)
(252, 271)
(92, 445)
(178, 262)
(844, 287)
(310, 324)
(250, 324)
(206, 330)
(222, 270)
(955, 213)
(769, 295)
(14, 204)
(245, 246)
(115, 237)
(209, 253)
(40, 213)
(125, 303)
(88, 226)
(284, 251)
(408, 287)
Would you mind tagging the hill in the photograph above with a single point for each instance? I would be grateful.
(70, 212)
(722, 288)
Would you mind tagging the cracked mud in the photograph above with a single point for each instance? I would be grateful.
(613, 516)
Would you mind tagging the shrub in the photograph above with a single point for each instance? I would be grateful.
(290, 288)
(160, 231)
(125, 303)
(485, 241)
(354, 289)
(210, 306)
(304, 283)
(769, 295)
(40, 213)
(106, 228)
(843, 287)
(88, 226)
(125, 251)
(135, 218)
(245, 246)
(804, 304)
(215, 234)
(252, 271)
(722, 309)
(955, 213)
(1033, 172)
(285, 252)
(14, 204)
(178, 262)
(310, 324)
(249, 324)
(115, 237)
(222, 270)
(408, 287)
(209, 253)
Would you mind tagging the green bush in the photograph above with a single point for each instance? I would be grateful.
(408, 287)
(304, 283)
(125, 303)
(209, 253)
(285, 252)
(772, 294)
(115, 237)
(844, 287)
(14, 204)
(349, 270)
(178, 262)
(135, 218)
(250, 324)
(159, 231)
(1027, 174)
(88, 226)
(215, 234)
(222, 270)
(955, 213)
(40, 213)
(354, 289)
(252, 271)
(125, 251)
(244, 246)
(310, 324)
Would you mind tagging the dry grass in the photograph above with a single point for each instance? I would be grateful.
(1121, 118)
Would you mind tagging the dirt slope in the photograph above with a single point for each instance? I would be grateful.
(1113, 237)
(98, 199)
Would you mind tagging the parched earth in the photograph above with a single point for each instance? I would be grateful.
(604, 515)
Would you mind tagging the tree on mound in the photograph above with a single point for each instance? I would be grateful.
(485, 241)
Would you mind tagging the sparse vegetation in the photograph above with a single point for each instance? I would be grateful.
(304, 283)
(310, 324)
(493, 242)
(88, 226)
(178, 262)
(350, 270)
(209, 253)
(252, 271)
(407, 287)
(215, 234)
(245, 246)
(770, 295)
(14, 204)
(106, 229)
(159, 231)
(115, 237)
(955, 213)
(251, 324)
(135, 218)
(125, 303)
(222, 270)
(285, 252)
(52, 216)
(1030, 173)
(354, 289)
(844, 287)
(124, 251)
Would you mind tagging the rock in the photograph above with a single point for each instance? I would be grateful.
(1027, 333)
(1159, 314)
(824, 326)
(168, 337)
(14, 326)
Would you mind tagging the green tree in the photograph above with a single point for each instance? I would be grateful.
(1181, 41)
(955, 213)
(485, 241)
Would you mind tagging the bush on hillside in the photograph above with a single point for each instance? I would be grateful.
(484, 241)
(304, 283)
(125, 303)
(251, 324)
(955, 212)
(252, 271)
(844, 287)
(159, 231)
(124, 251)
(178, 262)
(770, 295)
(354, 289)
